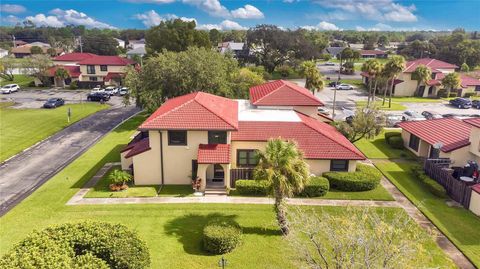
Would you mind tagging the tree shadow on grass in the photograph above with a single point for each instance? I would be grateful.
(189, 230)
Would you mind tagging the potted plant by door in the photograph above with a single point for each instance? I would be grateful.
(119, 180)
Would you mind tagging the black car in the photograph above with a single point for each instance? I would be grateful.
(461, 102)
(476, 103)
(54, 102)
(98, 97)
(430, 115)
(334, 83)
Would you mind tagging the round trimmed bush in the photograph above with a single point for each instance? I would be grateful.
(364, 179)
(221, 237)
(252, 187)
(395, 142)
(80, 245)
(315, 187)
(388, 135)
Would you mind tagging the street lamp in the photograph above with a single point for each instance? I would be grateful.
(335, 88)
(222, 262)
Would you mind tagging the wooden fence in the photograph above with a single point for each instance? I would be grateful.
(459, 191)
(240, 173)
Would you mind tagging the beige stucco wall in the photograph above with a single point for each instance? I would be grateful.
(99, 74)
(423, 147)
(470, 89)
(258, 145)
(146, 165)
(124, 161)
(475, 141)
(318, 167)
(475, 203)
(307, 110)
(407, 87)
(459, 156)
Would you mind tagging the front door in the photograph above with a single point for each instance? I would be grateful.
(434, 153)
(218, 173)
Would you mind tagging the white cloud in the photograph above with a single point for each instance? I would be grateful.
(325, 26)
(10, 19)
(247, 12)
(212, 7)
(152, 18)
(42, 20)
(376, 10)
(360, 28)
(71, 16)
(14, 9)
(224, 25)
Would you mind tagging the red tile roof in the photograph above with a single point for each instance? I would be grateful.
(473, 121)
(73, 71)
(106, 60)
(74, 57)
(372, 52)
(432, 63)
(111, 75)
(138, 147)
(452, 133)
(195, 111)
(317, 140)
(282, 93)
(476, 188)
(465, 81)
(213, 153)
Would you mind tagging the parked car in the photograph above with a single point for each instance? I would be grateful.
(54, 102)
(333, 83)
(476, 103)
(412, 116)
(111, 90)
(98, 97)
(461, 102)
(323, 111)
(391, 120)
(430, 115)
(344, 87)
(123, 91)
(97, 88)
(329, 64)
(9, 88)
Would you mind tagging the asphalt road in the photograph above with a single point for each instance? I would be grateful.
(27, 171)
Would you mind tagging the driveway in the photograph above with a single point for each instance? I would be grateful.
(27, 171)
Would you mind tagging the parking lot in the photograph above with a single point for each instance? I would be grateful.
(36, 98)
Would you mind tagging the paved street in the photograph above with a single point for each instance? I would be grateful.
(24, 173)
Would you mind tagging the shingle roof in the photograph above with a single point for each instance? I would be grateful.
(473, 121)
(106, 60)
(195, 111)
(138, 147)
(213, 153)
(73, 71)
(317, 140)
(452, 133)
(282, 93)
(74, 57)
(432, 63)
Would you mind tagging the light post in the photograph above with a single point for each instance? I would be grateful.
(335, 88)
(222, 262)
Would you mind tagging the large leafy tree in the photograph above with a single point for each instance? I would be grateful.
(373, 68)
(7, 66)
(313, 77)
(283, 166)
(98, 42)
(422, 74)
(450, 82)
(175, 35)
(367, 123)
(393, 68)
(37, 66)
(172, 74)
(242, 80)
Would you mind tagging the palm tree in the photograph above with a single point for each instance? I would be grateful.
(283, 166)
(422, 74)
(393, 67)
(62, 73)
(373, 68)
(313, 77)
(451, 81)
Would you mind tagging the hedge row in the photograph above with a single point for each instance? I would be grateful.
(79, 245)
(221, 237)
(433, 187)
(365, 178)
(394, 140)
(315, 187)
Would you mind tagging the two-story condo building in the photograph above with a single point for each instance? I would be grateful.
(406, 84)
(213, 136)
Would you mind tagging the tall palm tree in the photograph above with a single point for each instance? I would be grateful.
(283, 166)
(313, 77)
(451, 81)
(62, 73)
(422, 74)
(372, 67)
(394, 67)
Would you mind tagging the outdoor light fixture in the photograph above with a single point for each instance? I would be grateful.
(222, 262)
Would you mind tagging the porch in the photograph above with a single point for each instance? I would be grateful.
(213, 167)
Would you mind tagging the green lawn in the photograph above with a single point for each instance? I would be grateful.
(415, 100)
(460, 225)
(171, 231)
(379, 194)
(376, 148)
(379, 105)
(102, 190)
(176, 190)
(21, 80)
(21, 128)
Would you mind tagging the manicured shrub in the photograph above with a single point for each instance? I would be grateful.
(365, 178)
(221, 237)
(442, 93)
(453, 94)
(391, 134)
(63, 246)
(284, 70)
(469, 94)
(396, 142)
(315, 187)
(434, 187)
(252, 187)
(73, 85)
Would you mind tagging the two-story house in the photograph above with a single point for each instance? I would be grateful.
(209, 136)
(406, 83)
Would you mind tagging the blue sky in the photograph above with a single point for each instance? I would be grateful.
(240, 14)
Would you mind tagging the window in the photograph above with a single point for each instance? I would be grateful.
(339, 165)
(103, 68)
(247, 158)
(414, 142)
(177, 138)
(90, 69)
(217, 137)
(477, 88)
(93, 78)
(434, 153)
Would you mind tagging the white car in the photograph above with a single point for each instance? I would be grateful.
(123, 91)
(97, 89)
(10, 88)
(344, 86)
(412, 116)
(110, 90)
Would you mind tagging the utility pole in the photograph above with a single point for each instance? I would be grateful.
(81, 45)
(335, 88)
(14, 44)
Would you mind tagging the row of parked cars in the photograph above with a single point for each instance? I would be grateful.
(465, 103)
(99, 94)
